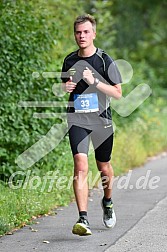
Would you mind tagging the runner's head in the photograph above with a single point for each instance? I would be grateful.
(84, 18)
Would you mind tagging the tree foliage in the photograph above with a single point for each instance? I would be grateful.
(141, 34)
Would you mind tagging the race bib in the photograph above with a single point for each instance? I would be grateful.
(84, 103)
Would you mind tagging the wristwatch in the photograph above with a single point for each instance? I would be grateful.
(96, 82)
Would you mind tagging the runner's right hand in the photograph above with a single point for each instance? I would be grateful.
(70, 85)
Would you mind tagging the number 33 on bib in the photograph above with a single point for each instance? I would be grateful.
(84, 103)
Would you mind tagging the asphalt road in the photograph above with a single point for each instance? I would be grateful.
(140, 200)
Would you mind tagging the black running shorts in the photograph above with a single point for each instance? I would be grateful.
(101, 137)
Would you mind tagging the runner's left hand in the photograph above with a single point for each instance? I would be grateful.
(88, 76)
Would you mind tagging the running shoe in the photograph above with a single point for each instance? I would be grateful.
(109, 217)
(81, 227)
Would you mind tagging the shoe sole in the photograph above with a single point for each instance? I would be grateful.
(103, 218)
(80, 229)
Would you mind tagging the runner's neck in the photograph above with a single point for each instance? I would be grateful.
(86, 52)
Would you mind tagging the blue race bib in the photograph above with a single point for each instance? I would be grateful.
(84, 103)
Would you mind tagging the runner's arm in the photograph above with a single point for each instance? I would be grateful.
(112, 91)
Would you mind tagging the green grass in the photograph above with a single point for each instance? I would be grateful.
(146, 136)
(19, 205)
(35, 195)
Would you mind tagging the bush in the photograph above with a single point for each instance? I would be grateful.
(26, 44)
(138, 139)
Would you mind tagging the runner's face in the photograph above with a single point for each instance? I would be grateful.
(84, 35)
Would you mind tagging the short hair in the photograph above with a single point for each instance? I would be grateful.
(84, 18)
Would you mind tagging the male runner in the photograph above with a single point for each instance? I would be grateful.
(91, 78)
